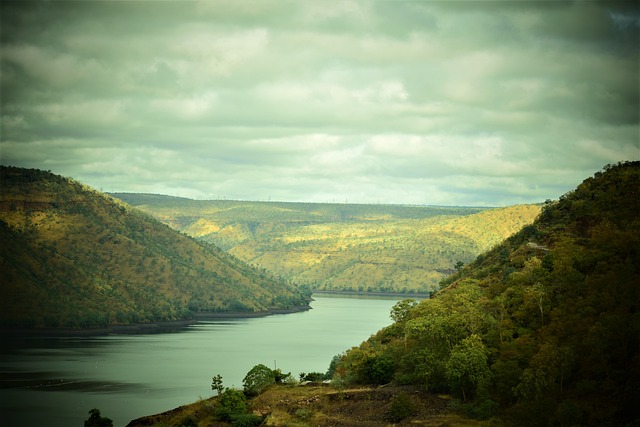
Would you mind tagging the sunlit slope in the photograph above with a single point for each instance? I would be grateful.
(386, 248)
(71, 256)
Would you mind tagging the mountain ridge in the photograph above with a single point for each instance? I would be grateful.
(76, 258)
(343, 247)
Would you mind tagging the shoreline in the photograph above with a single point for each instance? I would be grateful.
(145, 328)
(177, 325)
(425, 295)
(207, 315)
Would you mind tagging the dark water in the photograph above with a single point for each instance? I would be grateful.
(56, 381)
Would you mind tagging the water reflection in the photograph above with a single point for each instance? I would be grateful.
(54, 381)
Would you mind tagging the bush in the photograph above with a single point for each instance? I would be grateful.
(303, 413)
(231, 402)
(246, 420)
(188, 421)
(484, 409)
(401, 407)
(480, 409)
(95, 420)
(312, 376)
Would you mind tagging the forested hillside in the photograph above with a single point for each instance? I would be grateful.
(73, 257)
(543, 329)
(382, 248)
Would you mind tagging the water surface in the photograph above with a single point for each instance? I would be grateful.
(56, 381)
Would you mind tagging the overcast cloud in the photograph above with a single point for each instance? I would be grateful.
(448, 103)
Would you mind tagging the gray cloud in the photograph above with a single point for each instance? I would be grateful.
(474, 103)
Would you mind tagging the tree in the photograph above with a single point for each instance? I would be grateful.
(467, 368)
(378, 369)
(258, 379)
(537, 295)
(280, 377)
(95, 420)
(400, 310)
(216, 384)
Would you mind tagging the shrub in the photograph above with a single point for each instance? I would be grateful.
(401, 407)
(481, 409)
(231, 402)
(484, 409)
(188, 421)
(95, 420)
(303, 413)
(312, 376)
(246, 420)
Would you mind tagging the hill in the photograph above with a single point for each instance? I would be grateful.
(293, 406)
(346, 247)
(543, 329)
(73, 257)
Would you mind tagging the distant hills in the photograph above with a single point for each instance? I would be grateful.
(543, 329)
(346, 247)
(76, 258)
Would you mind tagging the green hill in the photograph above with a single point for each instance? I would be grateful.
(543, 329)
(375, 248)
(73, 257)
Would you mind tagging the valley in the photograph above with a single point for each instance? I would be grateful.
(343, 247)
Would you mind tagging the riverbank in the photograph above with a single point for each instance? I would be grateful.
(402, 295)
(209, 315)
(146, 328)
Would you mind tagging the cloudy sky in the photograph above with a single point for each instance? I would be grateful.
(442, 103)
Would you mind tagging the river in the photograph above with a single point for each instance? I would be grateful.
(55, 381)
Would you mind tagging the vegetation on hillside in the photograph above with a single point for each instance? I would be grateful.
(73, 257)
(543, 329)
(365, 248)
(272, 398)
(305, 406)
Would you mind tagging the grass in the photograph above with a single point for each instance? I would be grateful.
(311, 406)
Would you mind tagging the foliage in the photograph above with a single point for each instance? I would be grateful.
(258, 379)
(400, 311)
(188, 421)
(216, 384)
(312, 376)
(246, 420)
(76, 258)
(543, 327)
(280, 377)
(400, 408)
(96, 420)
(466, 368)
(231, 403)
(362, 248)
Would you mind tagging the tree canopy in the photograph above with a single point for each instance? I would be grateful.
(543, 329)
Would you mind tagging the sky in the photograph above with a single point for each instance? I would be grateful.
(474, 103)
